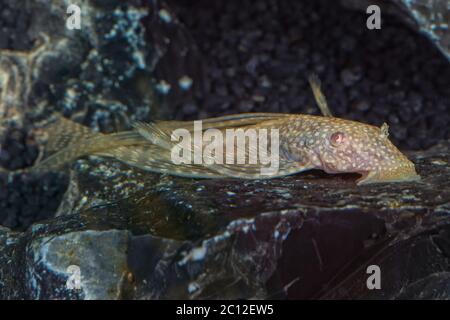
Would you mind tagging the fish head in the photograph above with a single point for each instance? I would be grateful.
(350, 146)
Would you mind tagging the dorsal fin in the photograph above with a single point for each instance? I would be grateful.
(321, 101)
(228, 121)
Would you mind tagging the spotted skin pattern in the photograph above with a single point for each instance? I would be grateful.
(337, 145)
(306, 142)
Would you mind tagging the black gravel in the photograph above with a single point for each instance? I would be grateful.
(27, 198)
(257, 55)
(14, 24)
(18, 149)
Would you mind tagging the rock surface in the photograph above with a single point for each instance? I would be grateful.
(311, 235)
(98, 75)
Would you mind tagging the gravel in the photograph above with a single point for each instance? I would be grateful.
(257, 56)
(28, 198)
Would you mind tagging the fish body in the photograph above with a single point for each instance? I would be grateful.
(305, 142)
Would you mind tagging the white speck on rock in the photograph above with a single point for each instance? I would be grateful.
(185, 83)
(165, 16)
(163, 87)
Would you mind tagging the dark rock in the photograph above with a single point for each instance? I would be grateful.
(54, 256)
(139, 235)
(95, 74)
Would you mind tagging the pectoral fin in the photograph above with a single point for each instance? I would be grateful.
(399, 175)
(156, 159)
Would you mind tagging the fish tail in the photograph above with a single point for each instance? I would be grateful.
(68, 141)
(63, 132)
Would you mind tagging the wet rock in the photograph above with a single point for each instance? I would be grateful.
(101, 275)
(402, 278)
(12, 266)
(433, 19)
(311, 235)
(434, 286)
(99, 75)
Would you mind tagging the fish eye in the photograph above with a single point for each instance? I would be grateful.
(337, 139)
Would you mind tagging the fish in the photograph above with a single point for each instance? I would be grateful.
(306, 142)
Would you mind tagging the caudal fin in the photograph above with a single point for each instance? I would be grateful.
(68, 141)
(63, 132)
